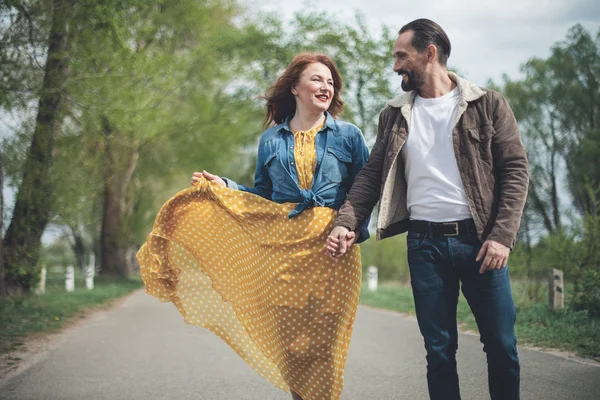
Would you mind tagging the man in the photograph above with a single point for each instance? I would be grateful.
(449, 167)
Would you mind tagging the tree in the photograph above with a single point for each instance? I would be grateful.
(24, 27)
(557, 105)
(3, 292)
(34, 198)
(539, 126)
(576, 61)
(137, 103)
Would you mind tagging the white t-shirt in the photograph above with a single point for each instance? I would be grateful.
(435, 190)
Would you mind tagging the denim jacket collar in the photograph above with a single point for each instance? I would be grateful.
(329, 123)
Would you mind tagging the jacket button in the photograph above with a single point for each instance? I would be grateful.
(390, 153)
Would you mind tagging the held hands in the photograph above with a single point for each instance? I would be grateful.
(339, 241)
(213, 178)
(496, 255)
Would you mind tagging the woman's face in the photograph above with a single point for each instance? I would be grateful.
(314, 90)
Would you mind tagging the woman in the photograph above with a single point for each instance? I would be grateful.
(253, 269)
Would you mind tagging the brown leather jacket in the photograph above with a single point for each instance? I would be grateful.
(491, 161)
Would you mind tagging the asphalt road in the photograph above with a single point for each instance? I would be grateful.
(142, 350)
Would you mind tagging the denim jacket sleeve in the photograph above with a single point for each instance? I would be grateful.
(262, 181)
(360, 155)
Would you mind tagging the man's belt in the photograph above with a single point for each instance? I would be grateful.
(453, 228)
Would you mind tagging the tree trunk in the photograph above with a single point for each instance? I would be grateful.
(362, 112)
(78, 247)
(34, 199)
(133, 267)
(554, 153)
(97, 249)
(118, 169)
(540, 207)
(2, 283)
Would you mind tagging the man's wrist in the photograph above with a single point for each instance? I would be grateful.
(503, 237)
(343, 226)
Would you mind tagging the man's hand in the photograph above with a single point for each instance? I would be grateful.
(496, 255)
(214, 178)
(339, 241)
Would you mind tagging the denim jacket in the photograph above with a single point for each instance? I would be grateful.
(341, 153)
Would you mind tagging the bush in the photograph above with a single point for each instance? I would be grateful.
(587, 292)
(587, 284)
(576, 252)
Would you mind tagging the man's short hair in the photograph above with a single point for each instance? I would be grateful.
(427, 32)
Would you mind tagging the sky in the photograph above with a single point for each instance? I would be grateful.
(489, 38)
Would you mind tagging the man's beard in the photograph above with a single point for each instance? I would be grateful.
(414, 79)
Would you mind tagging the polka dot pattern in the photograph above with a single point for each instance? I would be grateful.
(234, 263)
(305, 155)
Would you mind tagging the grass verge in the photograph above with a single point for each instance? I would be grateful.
(536, 325)
(50, 311)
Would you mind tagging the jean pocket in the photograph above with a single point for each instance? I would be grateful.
(336, 165)
(415, 240)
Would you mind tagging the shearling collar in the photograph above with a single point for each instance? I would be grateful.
(468, 92)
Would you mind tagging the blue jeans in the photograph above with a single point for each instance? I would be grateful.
(437, 265)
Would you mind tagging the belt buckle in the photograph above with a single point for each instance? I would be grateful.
(455, 233)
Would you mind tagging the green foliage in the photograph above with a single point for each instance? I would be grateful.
(575, 252)
(557, 105)
(587, 284)
(389, 256)
(163, 93)
(566, 329)
(33, 203)
(587, 292)
(584, 171)
(557, 250)
(24, 27)
(15, 152)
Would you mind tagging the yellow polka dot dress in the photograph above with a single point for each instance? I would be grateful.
(234, 263)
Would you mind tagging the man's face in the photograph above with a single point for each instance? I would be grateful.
(409, 63)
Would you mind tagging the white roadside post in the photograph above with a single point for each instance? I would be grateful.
(372, 278)
(70, 279)
(89, 273)
(41, 289)
(556, 289)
